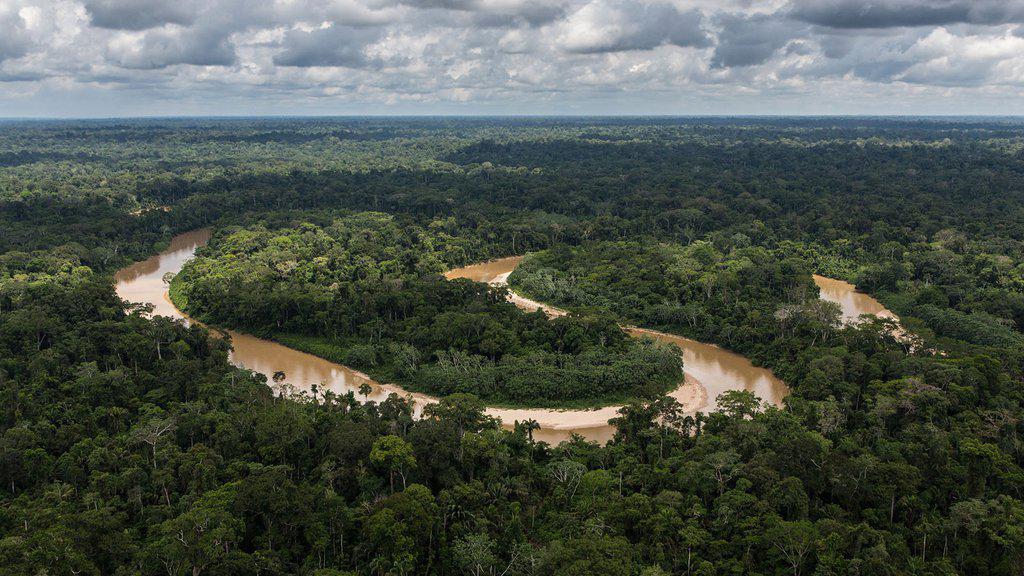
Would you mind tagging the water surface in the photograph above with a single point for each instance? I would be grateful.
(143, 282)
(709, 370)
(854, 304)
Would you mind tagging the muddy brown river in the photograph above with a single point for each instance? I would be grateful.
(143, 282)
(710, 370)
(853, 303)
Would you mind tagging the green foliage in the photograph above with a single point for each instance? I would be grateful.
(123, 454)
(365, 291)
(732, 298)
(394, 455)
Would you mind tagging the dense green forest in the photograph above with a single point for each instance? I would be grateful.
(737, 296)
(130, 445)
(368, 288)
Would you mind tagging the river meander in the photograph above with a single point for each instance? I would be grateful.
(852, 303)
(710, 370)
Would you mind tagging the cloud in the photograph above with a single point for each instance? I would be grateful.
(356, 13)
(169, 46)
(750, 40)
(20, 76)
(343, 46)
(15, 40)
(498, 12)
(900, 13)
(140, 14)
(501, 56)
(518, 41)
(956, 57)
(618, 25)
(946, 59)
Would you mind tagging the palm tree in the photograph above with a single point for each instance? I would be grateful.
(527, 427)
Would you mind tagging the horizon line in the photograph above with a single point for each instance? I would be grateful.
(502, 116)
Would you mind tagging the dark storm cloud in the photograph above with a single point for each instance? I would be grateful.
(139, 14)
(751, 40)
(11, 46)
(534, 15)
(343, 46)
(900, 13)
(672, 27)
(463, 5)
(837, 45)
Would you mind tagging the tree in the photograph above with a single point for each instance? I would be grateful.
(693, 536)
(465, 411)
(475, 554)
(594, 556)
(393, 455)
(567, 473)
(152, 431)
(528, 427)
(200, 538)
(739, 403)
(394, 551)
(794, 541)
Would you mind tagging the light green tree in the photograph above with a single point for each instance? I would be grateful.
(393, 454)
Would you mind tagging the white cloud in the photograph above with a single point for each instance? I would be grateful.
(945, 59)
(507, 55)
(15, 41)
(616, 25)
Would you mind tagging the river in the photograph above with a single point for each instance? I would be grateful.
(143, 282)
(853, 303)
(710, 370)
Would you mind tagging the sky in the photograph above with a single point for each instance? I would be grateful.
(112, 58)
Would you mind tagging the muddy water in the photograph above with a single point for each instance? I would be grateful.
(852, 302)
(143, 282)
(710, 370)
(492, 271)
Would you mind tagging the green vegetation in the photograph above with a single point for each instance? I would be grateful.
(365, 290)
(129, 445)
(733, 296)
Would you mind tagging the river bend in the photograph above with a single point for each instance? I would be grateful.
(709, 370)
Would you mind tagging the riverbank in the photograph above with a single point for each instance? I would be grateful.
(338, 353)
(143, 282)
(712, 369)
(709, 370)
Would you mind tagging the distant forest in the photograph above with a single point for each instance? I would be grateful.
(130, 445)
